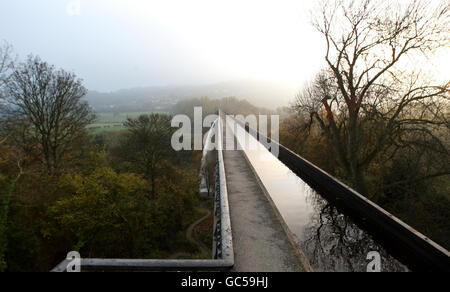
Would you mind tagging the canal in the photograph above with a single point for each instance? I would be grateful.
(328, 239)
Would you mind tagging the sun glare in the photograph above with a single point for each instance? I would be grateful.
(245, 39)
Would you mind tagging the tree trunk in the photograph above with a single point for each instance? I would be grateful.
(356, 173)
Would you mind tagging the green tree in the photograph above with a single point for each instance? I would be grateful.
(106, 214)
(146, 145)
(102, 213)
(11, 167)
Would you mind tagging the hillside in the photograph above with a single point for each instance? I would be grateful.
(262, 94)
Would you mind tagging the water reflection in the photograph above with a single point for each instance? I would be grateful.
(332, 242)
(329, 239)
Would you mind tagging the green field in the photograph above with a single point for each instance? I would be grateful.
(112, 121)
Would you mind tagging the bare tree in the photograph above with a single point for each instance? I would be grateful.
(48, 103)
(366, 101)
(6, 62)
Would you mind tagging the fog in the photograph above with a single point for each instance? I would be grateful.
(116, 44)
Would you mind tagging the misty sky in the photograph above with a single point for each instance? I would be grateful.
(115, 44)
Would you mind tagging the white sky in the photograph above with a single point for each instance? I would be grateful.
(253, 38)
(115, 44)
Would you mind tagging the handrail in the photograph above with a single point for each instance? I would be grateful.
(226, 240)
(223, 246)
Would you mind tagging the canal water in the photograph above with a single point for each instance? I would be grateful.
(329, 240)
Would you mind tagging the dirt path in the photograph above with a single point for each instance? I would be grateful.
(190, 231)
(190, 238)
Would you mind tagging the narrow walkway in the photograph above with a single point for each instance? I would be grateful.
(259, 241)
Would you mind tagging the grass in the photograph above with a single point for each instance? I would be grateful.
(111, 118)
(112, 122)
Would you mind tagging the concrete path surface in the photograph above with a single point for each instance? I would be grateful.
(259, 241)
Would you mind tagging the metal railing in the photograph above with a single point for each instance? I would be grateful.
(223, 254)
